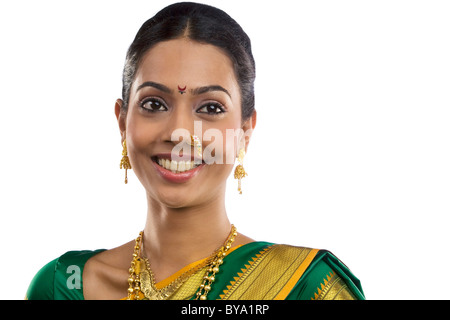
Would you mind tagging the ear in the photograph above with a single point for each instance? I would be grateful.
(121, 117)
(248, 127)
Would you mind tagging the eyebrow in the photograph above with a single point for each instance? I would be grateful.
(201, 90)
(196, 91)
(155, 85)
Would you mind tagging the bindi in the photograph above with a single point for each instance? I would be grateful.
(182, 90)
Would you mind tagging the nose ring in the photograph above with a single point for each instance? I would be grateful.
(195, 141)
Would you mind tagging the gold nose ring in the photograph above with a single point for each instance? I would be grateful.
(195, 141)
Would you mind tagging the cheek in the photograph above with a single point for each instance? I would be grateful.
(140, 137)
(228, 143)
(220, 145)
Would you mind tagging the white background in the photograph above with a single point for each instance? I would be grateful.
(351, 151)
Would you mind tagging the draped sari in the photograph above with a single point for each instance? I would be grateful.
(254, 271)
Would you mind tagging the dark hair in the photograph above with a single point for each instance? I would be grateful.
(202, 23)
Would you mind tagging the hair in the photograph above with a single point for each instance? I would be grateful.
(201, 23)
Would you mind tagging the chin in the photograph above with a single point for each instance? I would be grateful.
(175, 197)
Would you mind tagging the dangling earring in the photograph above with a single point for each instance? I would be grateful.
(125, 162)
(239, 172)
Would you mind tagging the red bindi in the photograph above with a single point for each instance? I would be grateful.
(182, 90)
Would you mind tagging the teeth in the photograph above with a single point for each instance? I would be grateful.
(167, 164)
(175, 166)
(181, 166)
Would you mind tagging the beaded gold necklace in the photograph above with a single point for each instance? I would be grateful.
(142, 284)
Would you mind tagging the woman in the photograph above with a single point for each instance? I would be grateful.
(187, 108)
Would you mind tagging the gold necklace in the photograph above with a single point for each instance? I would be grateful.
(210, 275)
(148, 286)
(141, 280)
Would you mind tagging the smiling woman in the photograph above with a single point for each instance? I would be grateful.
(191, 64)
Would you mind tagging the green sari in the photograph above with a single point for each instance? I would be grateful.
(255, 271)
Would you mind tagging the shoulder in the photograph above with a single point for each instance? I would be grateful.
(105, 275)
(324, 277)
(268, 271)
(305, 273)
(61, 278)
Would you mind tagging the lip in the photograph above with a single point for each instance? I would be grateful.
(175, 177)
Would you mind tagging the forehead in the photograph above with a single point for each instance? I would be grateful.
(186, 62)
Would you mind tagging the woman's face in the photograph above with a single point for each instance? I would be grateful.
(183, 88)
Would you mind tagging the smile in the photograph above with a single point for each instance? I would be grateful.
(177, 167)
(176, 171)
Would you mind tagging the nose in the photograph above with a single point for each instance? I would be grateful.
(180, 125)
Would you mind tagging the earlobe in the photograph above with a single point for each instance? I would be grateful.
(248, 127)
(253, 119)
(120, 115)
(250, 123)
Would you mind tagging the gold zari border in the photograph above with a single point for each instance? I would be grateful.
(271, 274)
(333, 288)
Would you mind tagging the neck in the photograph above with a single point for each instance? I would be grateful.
(175, 237)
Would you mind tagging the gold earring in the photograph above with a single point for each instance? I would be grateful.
(239, 172)
(125, 162)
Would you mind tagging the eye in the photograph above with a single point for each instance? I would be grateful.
(211, 108)
(153, 105)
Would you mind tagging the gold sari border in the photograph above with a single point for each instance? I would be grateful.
(297, 275)
(271, 274)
